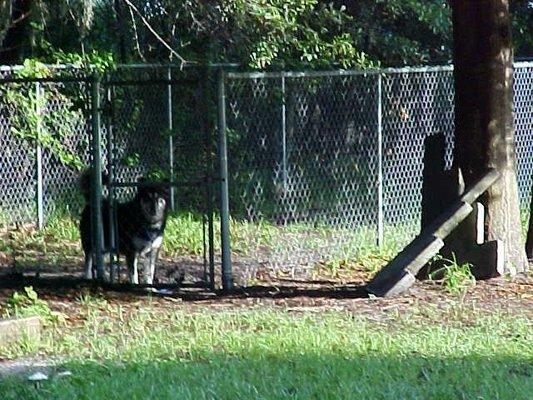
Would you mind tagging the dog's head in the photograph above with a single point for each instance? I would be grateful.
(153, 199)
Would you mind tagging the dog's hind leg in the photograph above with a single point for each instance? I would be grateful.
(114, 273)
(133, 269)
(88, 266)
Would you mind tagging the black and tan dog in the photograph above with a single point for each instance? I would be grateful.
(140, 225)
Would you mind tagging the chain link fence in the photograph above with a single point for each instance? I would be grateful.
(323, 166)
(330, 163)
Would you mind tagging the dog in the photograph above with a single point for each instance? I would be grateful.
(140, 226)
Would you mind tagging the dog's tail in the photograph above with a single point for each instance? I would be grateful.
(85, 183)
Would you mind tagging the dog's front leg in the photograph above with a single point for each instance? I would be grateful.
(88, 266)
(133, 270)
(151, 265)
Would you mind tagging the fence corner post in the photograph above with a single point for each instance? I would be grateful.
(227, 278)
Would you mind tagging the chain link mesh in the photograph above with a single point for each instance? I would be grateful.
(304, 158)
(304, 152)
(523, 112)
(17, 160)
(415, 105)
(67, 115)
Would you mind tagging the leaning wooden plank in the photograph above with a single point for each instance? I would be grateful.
(443, 225)
(469, 232)
(418, 253)
(395, 277)
(392, 287)
(425, 246)
(460, 241)
(478, 188)
(449, 220)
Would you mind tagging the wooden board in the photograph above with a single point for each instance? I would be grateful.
(15, 329)
(391, 280)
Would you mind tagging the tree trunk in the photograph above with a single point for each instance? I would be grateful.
(120, 28)
(484, 129)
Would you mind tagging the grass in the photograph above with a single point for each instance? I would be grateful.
(331, 251)
(58, 243)
(27, 304)
(456, 278)
(171, 353)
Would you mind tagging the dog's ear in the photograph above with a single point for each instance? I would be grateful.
(163, 187)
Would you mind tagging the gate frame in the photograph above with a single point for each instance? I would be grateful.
(206, 182)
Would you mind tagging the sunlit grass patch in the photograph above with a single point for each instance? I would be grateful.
(270, 354)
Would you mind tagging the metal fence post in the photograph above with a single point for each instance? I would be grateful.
(170, 138)
(38, 158)
(114, 273)
(227, 278)
(380, 162)
(96, 192)
(284, 132)
(208, 127)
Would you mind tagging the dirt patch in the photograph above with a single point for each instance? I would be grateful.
(496, 295)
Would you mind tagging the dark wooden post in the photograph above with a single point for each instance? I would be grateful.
(529, 241)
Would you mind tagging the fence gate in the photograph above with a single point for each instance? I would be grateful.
(156, 124)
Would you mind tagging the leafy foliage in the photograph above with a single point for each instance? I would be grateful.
(256, 33)
(295, 30)
(30, 120)
(28, 304)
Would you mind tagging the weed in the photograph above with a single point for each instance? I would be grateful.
(28, 304)
(456, 278)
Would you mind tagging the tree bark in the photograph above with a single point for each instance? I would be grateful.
(484, 129)
(120, 28)
(529, 240)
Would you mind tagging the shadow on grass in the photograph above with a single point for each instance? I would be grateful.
(65, 287)
(295, 376)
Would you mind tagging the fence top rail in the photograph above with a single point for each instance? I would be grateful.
(339, 72)
(13, 68)
(65, 79)
(349, 72)
(262, 74)
(523, 64)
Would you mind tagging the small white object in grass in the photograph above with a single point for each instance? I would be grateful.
(37, 376)
(164, 291)
(63, 374)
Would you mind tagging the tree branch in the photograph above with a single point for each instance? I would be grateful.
(153, 31)
(137, 44)
(13, 23)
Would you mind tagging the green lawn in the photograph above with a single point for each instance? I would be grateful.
(154, 352)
